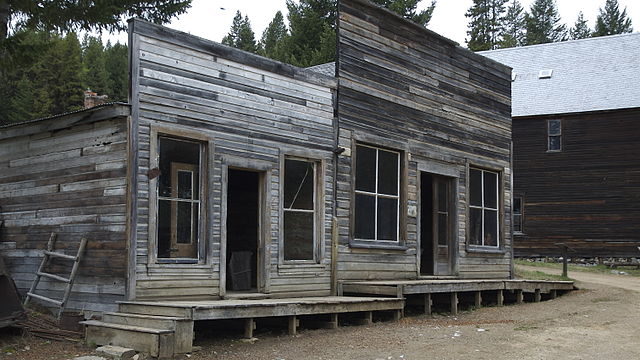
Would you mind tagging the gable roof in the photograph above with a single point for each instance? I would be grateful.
(601, 73)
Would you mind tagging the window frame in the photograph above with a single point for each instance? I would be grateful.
(521, 214)
(318, 204)
(375, 243)
(554, 135)
(501, 235)
(203, 260)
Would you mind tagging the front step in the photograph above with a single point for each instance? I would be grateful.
(158, 343)
(150, 308)
(183, 328)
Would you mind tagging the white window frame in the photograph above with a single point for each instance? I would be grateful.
(521, 214)
(377, 195)
(550, 135)
(484, 208)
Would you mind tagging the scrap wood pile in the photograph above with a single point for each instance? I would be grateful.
(46, 327)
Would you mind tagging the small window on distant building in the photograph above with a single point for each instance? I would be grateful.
(518, 205)
(554, 135)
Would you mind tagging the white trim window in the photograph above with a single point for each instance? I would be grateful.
(299, 209)
(518, 214)
(484, 214)
(377, 194)
(554, 135)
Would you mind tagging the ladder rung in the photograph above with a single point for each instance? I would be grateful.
(54, 277)
(44, 298)
(60, 255)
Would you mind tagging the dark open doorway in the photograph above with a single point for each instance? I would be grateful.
(243, 227)
(436, 224)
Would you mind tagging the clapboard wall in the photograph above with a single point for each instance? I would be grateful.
(252, 112)
(586, 195)
(67, 175)
(406, 88)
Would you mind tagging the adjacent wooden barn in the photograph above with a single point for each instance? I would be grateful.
(232, 176)
(576, 106)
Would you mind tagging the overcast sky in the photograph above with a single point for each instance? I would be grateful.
(211, 19)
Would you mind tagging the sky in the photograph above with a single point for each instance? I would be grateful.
(211, 19)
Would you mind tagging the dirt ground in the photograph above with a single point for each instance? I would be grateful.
(599, 321)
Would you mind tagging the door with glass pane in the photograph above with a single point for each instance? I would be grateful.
(184, 210)
(436, 225)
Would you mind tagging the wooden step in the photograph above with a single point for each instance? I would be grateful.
(60, 255)
(182, 327)
(158, 343)
(150, 308)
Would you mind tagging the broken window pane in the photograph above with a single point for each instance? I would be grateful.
(298, 184)
(387, 219)
(475, 224)
(475, 187)
(490, 190)
(388, 172)
(365, 168)
(298, 235)
(365, 217)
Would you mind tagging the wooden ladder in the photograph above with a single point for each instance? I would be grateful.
(48, 255)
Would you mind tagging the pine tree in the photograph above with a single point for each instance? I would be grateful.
(309, 22)
(240, 35)
(274, 38)
(408, 9)
(611, 22)
(485, 25)
(95, 76)
(116, 58)
(580, 29)
(543, 23)
(513, 26)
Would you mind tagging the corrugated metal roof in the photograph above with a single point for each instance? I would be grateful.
(2, 126)
(328, 69)
(601, 73)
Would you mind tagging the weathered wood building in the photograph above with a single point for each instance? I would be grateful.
(223, 175)
(576, 107)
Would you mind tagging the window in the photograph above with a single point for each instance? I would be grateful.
(178, 198)
(554, 134)
(517, 209)
(377, 194)
(299, 209)
(483, 208)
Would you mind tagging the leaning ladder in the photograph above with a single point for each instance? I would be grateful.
(48, 255)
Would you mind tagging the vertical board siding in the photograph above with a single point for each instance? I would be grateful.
(440, 103)
(253, 110)
(586, 195)
(71, 181)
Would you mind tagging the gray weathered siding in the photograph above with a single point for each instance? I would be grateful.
(67, 175)
(252, 111)
(409, 89)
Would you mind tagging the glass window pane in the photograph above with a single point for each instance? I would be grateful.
(475, 226)
(443, 196)
(365, 217)
(490, 228)
(555, 143)
(365, 169)
(196, 219)
(554, 127)
(443, 229)
(298, 235)
(517, 223)
(183, 222)
(475, 187)
(298, 184)
(490, 190)
(388, 172)
(185, 184)
(387, 219)
(164, 228)
(517, 205)
(180, 154)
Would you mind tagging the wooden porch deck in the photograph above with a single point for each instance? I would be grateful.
(483, 290)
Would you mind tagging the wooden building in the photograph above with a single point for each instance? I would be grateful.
(576, 106)
(231, 176)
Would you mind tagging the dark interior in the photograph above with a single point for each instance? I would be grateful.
(426, 224)
(242, 230)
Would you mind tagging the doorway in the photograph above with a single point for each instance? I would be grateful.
(243, 230)
(436, 224)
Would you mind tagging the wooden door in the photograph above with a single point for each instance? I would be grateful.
(184, 210)
(442, 225)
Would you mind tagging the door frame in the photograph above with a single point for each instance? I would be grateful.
(264, 225)
(452, 172)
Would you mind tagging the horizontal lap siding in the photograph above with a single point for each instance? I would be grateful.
(439, 103)
(249, 113)
(587, 195)
(72, 182)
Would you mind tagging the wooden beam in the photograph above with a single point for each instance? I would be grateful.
(500, 298)
(454, 303)
(537, 296)
(293, 324)
(428, 302)
(249, 326)
(477, 299)
(519, 296)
